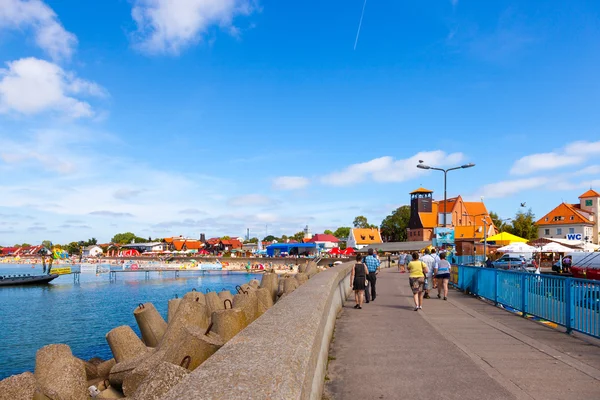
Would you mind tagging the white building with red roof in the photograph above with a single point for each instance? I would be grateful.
(576, 222)
(326, 240)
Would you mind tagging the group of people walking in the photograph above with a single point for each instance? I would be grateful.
(426, 273)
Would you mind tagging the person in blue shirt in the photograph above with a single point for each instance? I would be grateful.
(372, 264)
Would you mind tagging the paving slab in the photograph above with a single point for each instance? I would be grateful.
(388, 351)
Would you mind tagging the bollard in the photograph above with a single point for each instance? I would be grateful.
(173, 304)
(302, 278)
(225, 295)
(151, 323)
(270, 281)
(58, 374)
(247, 303)
(254, 283)
(20, 386)
(213, 302)
(195, 346)
(228, 323)
(160, 381)
(264, 301)
(125, 344)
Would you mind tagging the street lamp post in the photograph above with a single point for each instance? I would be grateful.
(445, 171)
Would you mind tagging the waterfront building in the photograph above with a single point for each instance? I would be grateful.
(325, 241)
(152, 247)
(361, 237)
(470, 220)
(91, 251)
(575, 222)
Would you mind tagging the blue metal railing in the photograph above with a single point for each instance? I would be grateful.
(572, 303)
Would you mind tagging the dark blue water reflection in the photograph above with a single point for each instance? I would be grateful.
(81, 315)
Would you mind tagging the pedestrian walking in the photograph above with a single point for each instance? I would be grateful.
(357, 281)
(442, 275)
(372, 263)
(436, 259)
(401, 259)
(416, 278)
(429, 260)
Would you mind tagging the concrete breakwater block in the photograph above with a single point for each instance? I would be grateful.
(303, 267)
(289, 285)
(254, 283)
(59, 375)
(120, 371)
(160, 381)
(302, 278)
(264, 301)
(125, 344)
(173, 304)
(311, 270)
(151, 323)
(195, 296)
(134, 377)
(270, 281)
(104, 368)
(225, 295)
(228, 323)
(214, 302)
(189, 313)
(18, 387)
(248, 303)
(194, 347)
(110, 393)
(247, 288)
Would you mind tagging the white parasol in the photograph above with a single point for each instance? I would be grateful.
(517, 247)
(554, 247)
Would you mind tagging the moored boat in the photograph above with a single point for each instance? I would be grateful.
(14, 280)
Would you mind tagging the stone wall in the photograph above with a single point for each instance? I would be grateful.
(281, 355)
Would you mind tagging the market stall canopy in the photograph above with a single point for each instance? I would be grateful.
(505, 238)
(554, 247)
(517, 247)
(348, 251)
(335, 251)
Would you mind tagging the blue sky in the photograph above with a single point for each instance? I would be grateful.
(188, 116)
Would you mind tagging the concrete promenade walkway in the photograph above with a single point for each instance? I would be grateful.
(462, 348)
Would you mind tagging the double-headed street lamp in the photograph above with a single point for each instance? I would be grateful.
(445, 171)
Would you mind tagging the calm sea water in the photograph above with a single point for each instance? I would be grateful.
(80, 315)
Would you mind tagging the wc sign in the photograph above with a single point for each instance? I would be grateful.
(574, 236)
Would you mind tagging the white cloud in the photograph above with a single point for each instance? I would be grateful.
(510, 187)
(251, 200)
(572, 154)
(168, 26)
(290, 182)
(30, 86)
(386, 169)
(36, 15)
(589, 170)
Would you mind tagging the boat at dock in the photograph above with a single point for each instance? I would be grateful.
(17, 280)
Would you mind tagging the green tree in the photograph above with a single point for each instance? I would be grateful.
(225, 238)
(252, 240)
(498, 222)
(298, 236)
(360, 222)
(270, 238)
(72, 248)
(342, 232)
(523, 225)
(47, 244)
(328, 232)
(126, 238)
(393, 227)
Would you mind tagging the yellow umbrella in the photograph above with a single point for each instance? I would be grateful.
(505, 238)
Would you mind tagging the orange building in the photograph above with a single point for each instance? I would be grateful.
(470, 220)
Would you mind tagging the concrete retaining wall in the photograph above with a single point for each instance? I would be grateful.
(281, 355)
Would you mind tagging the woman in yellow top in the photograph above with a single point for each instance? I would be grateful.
(417, 270)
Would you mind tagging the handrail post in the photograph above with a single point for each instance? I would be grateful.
(495, 287)
(569, 305)
(523, 293)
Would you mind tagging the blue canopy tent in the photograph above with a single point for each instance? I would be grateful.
(292, 249)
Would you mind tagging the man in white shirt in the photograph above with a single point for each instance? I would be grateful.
(429, 260)
(436, 258)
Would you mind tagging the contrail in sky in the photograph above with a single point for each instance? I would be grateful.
(360, 24)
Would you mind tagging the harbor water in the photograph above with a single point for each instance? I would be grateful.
(80, 315)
